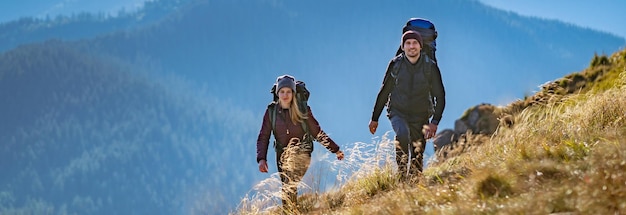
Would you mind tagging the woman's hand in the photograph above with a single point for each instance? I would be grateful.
(262, 166)
(339, 155)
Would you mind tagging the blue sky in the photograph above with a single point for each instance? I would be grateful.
(603, 15)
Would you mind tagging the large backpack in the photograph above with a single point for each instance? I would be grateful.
(426, 29)
(302, 96)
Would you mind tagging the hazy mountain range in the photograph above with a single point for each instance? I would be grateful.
(157, 111)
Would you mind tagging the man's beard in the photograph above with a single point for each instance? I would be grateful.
(412, 53)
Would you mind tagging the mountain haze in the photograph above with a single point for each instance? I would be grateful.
(82, 25)
(157, 112)
(89, 135)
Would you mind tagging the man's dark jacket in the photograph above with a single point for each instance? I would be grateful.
(408, 93)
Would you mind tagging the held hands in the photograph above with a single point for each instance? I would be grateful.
(373, 125)
(262, 166)
(429, 130)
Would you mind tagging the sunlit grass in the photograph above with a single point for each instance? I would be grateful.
(366, 169)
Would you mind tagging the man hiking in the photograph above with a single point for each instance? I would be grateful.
(413, 92)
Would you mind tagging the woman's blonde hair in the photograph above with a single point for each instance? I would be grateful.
(295, 114)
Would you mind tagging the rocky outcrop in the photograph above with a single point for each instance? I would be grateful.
(477, 123)
(480, 119)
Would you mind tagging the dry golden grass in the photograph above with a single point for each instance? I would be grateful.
(566, 155)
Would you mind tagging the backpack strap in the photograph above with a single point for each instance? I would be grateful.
(428, 73)
(272, 111)
(395, 68)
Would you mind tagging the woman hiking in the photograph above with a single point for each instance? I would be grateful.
(294, 130)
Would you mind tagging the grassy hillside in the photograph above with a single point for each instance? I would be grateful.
(566, 152)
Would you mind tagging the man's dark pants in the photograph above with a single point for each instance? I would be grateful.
(410, 143)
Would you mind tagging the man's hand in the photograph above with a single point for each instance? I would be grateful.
(373, 126)
(339, 155)
(429, 130)
(262, 166)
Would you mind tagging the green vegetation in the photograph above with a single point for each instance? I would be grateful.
(566, 153)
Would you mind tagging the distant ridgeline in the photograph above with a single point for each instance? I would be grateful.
(480, 122)
(83, 25)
